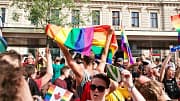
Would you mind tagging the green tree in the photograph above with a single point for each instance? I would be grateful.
(42, 12)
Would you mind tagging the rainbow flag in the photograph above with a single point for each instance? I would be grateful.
(56, 93)
(3, 43)
(125, 48)
(83, 40)
(176, 23)
(99, 39)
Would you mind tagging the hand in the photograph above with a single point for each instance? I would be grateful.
(37, 52)
(127, 78)
(48, 53)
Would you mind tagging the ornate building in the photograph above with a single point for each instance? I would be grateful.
(147, 23)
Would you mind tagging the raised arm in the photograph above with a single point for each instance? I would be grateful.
(49, 70)
(102, 63)
(165, 62)
(72, 64)
(127, 79)
(37, 54)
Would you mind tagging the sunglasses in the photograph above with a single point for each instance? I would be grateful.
(99, 88)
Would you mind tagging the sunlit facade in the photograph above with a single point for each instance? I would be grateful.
(146, 22)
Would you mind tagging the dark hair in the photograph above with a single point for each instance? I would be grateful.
(138, 59)
(40, 61)
(10, 81)
(64, 69)
(89, 59)
(62, 61)
(103, 77)
(42, 71)
(29, 70)
(157, 60)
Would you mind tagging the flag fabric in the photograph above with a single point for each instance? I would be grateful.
(176, 23)
(176, 48)
(83, 40)
(99, 40)
(125, 48)
(3, 43)
(74, 38)
(56, 93)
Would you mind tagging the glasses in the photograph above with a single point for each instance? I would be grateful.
(99, 88)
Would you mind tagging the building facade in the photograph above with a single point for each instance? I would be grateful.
(147, 23)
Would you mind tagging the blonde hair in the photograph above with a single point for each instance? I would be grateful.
(151, 90)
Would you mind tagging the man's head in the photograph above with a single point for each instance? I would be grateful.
(149, 67)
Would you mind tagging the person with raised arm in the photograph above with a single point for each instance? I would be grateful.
(41, 81)
(167, 77)
(83, 75)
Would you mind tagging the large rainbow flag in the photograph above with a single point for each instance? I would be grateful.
(176, 23)
(125, 47)
(83, 40)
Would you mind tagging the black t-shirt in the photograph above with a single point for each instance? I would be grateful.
(171, 88)
(33, 87)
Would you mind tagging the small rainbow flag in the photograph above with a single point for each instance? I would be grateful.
(56, 93)
(125, 47)
(176, 23)
(83, 40)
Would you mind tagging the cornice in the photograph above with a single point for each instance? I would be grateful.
(139, 1)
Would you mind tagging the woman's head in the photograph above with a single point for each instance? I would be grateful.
(152, 90)
(10, 82)
(65, 71)
(30, 71)
(170, 72)
(89, 59)
(30, 59)
(99, 87)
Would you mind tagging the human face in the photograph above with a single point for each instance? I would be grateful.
(30, 60)
(98, 95)
(67, 72)
(170, 72)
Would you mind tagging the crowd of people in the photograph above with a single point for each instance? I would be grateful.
(147, 79)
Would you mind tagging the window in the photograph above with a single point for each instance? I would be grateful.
(95, 17)
(135, 19)
(115, 18)
(54, 16)
(154, 20)
(2, 16)
(55, 12)
(75, 18)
